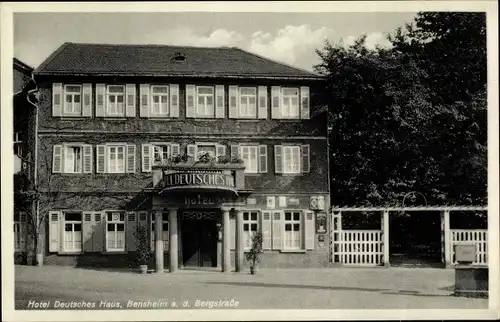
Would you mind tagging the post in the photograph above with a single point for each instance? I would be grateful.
(446, 237)
(239, 241)
(173, 240)
(159, 241)
(385, 235)
(226, 253)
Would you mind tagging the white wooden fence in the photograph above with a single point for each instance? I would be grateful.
(360, 247)
(478, 237)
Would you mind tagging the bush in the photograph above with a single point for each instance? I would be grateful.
(253, 256)
(142, 239)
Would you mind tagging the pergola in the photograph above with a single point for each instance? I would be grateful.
(372, 247)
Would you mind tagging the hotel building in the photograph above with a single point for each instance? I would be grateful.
(203, 146)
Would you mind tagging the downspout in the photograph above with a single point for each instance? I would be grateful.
(39, 256)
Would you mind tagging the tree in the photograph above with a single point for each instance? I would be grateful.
(406, 118)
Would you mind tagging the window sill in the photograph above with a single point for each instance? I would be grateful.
(118, 252)
(162, 118)
(70, 253)
(293, 251)
(114, 118)
(291, 174)
(72, 118)
(252, 174)
(289, 120)
(198, 118)
(250, 120)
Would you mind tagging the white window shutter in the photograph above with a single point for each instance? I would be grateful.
(190, 100)
(262, 94)
(275, 102)
(309, 229)
(233, 102)
(144, 100)
(175, 149)
(131, 158)
(57, 159)
(57, 99)
(130, 226)
(277, 222)
(192, 151)
(146, 157)
(232, 232)
(306, 161)
(87, 229)
(278, 158)
(174, 100)
(304, 103)
(87, 158)
(219, 100)
(99, 231)
(101, 158)
(54, 230)
(235, 151)
(87, 100)
(100, 91)
(262, 158)
(266, 227)
(130, 94)
(220, 150)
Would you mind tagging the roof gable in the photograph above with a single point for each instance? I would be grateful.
(158, 60)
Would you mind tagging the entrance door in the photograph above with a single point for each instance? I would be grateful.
(199, 240)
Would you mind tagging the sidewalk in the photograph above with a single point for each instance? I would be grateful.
(329, 288)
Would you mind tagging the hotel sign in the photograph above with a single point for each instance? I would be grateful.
(179, 179)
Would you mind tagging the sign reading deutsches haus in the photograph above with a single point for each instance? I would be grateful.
(198, 179)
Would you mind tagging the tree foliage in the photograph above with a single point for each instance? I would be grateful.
(411, 118)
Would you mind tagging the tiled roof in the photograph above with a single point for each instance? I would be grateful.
(158, 60)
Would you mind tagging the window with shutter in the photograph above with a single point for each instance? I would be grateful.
(190, 100)
(131, 101)
(72, 158)
(247, 102)
(174, 100)
(130, 158)
(304, 103)
(72, 100)
(262, 102)
(219, 101)
(115, 231)
(72, 235)
(293, 230)
(100, 90)
(159, 101)
(233, 102)
(101, 158)
(57, 92)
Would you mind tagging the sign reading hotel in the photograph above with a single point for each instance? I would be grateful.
(198, 179)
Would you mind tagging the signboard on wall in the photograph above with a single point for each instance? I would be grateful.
(198, 179)
(321, 223)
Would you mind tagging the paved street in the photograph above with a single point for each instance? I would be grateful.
(332, 288)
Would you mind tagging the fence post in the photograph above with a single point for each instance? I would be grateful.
(445, 226)
(385, 236)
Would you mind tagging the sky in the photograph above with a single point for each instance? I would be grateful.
(290, 38)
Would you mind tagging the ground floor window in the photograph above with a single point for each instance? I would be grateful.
(20, 232)
(72, 232)
(293, 229)
(165, 231)
(250, 227)
(115, 231)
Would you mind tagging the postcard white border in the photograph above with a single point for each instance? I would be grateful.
(6, 38)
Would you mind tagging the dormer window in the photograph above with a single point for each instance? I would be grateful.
(179, 57)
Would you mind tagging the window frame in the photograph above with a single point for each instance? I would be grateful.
(197, 105)
(247, 238)
(257, 156)
(108, 157)
(288, 115)
(153, 95)
(115, 231)
(293, 222)
(19, 231)
(80, 163)
(286, 166)
(73, 94)
(198, 144)
(154, 146)
(74, 233)
(115, 95)
(248, 96)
